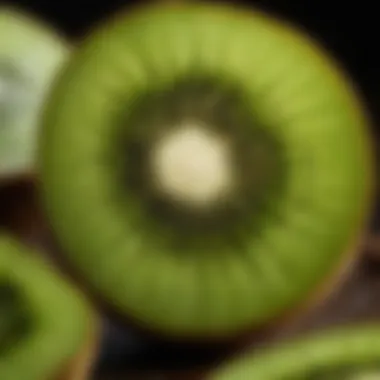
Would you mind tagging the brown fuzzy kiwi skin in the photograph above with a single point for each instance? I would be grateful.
(80, 368)
(339, 273)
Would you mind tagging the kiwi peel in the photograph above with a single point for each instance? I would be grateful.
(281, 185)
(44, 323)
(340, 353)
(31, 53)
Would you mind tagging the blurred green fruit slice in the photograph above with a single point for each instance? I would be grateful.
(30, 56)
(44, 322)
(205, 169)
(344, 353)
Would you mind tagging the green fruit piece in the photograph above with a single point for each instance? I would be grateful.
(30, 56)
(205, 169)
(344, 353)
(44, 323)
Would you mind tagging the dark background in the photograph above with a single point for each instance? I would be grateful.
(351, 32)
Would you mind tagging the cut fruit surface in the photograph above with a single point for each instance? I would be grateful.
(348, 353)
(279, 183)
(30, 56)
(44, 323)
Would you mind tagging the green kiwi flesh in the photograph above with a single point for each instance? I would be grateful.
(344, 353)
(299, 154)
(30, 56)
(44, 323)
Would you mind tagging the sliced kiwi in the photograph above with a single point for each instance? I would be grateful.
(44, 322)
(30, 55)
(204, 168)
(344, 353)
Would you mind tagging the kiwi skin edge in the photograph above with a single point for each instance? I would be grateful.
(81, 366)
(339, 272)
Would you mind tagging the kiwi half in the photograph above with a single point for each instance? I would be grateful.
(204, 168)
(46, 328)
(344, 353)
(30, 55)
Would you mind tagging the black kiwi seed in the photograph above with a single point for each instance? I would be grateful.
(44, 323)
(205, 169)
(344, 353)
(30, 56)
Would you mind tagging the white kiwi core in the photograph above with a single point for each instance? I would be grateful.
(192, 165)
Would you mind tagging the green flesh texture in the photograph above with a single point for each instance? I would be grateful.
(30, 57)
(44, 323)
(14, 322)
(203, 284)
(345, 353)
(257, 162)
